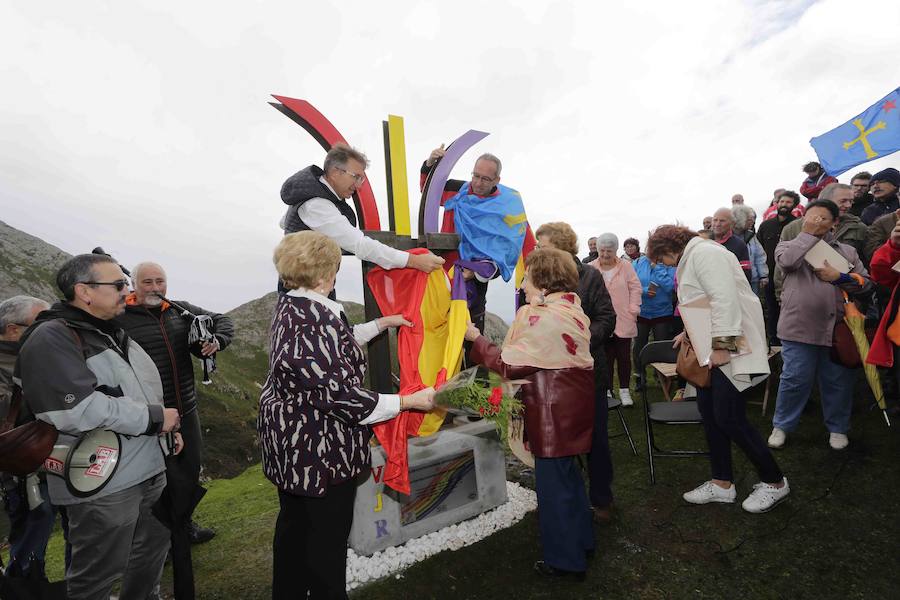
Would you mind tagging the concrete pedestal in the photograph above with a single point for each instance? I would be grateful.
(454, 474)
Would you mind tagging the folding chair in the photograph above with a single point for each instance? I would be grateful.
(665, 413)
(613, 403)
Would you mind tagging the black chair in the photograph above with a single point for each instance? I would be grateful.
(665, 413)
(613, 403)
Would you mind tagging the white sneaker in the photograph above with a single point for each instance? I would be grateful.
(777, 439)
(838, 441)
(625, 397)
(710, 492)
(609, 394)
(765, 497)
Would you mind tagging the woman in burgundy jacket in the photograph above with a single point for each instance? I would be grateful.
(548, 344)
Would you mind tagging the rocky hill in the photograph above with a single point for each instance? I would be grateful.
(28, 265)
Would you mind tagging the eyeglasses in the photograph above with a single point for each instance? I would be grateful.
(481, 178)
(357, 178)
(119, 284)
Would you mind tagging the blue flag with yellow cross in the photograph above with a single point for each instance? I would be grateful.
(872, 134)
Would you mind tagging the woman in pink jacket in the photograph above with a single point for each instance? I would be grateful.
(625, 291)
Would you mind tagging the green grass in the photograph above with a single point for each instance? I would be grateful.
(836, 536)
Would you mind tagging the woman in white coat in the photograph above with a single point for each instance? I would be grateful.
(739, 359)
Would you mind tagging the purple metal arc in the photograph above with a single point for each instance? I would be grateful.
(434, 186)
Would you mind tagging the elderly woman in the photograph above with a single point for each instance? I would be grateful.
(314, 415)
(625, 290)
(812, 303)
(739, 358)
(596, 304)
(549, 345)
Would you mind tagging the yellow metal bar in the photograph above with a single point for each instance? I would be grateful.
(398, 175)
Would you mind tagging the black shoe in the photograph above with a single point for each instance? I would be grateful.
(546, 570)
(200, 535)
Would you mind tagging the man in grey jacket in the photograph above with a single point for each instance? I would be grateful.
(79, 372)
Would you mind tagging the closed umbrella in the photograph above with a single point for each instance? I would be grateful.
(856, 323)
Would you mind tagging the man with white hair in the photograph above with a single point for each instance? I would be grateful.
(744, 228)
(723, 232)
(29, 529)
(162, 331)
(737, 199)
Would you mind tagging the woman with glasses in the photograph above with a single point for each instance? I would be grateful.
(707, 271)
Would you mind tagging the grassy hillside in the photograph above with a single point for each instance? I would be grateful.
(228, 405)
(835, 536)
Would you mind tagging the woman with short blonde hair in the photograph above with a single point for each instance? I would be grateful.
(314, 417)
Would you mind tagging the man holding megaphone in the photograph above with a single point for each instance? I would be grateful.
(79, 372)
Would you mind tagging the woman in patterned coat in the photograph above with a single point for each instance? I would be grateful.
(314, 417)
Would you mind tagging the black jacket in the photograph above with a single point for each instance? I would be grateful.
(305, 185)
(860, 205)
(163, 334)
(879, 209)
(597, 305)
(769, 235)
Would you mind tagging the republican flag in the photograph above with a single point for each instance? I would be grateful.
(429, 352)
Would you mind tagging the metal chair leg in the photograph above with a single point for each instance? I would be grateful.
(625, 427)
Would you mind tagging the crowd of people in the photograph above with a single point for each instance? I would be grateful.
(115, 354)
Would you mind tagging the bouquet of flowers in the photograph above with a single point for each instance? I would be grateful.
(484, 393)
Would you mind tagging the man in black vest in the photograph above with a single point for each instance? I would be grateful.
(316, 200)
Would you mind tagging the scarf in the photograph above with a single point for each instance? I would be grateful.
(553, 335)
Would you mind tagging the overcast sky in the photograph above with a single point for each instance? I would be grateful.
(144, 126)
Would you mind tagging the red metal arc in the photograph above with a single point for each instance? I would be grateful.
(305, 114)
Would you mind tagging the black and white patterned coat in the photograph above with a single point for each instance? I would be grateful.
(313, 401)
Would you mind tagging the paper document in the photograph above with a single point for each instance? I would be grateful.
(821, 252)
(697, 318)
(896, 266)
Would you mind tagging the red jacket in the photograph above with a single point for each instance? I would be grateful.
(881, 271)
(811, 188)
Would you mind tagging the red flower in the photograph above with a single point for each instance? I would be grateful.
(496, 397)
(481, 410)
(571, 346)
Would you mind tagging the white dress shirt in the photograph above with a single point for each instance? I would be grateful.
(323, 216)
(388, 405)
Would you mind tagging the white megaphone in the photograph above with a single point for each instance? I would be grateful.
(87, 465)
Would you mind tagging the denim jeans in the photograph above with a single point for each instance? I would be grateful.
(803, 364)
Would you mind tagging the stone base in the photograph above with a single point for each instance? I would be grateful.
(455, 474)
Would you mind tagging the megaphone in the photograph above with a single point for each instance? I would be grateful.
(87, 465)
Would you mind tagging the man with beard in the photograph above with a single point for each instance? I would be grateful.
(769, 235)
(162, 331)
(861, 196)
(884, 194)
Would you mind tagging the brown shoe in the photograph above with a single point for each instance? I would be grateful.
(602, 514)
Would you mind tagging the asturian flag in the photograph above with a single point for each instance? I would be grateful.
(869, 135)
